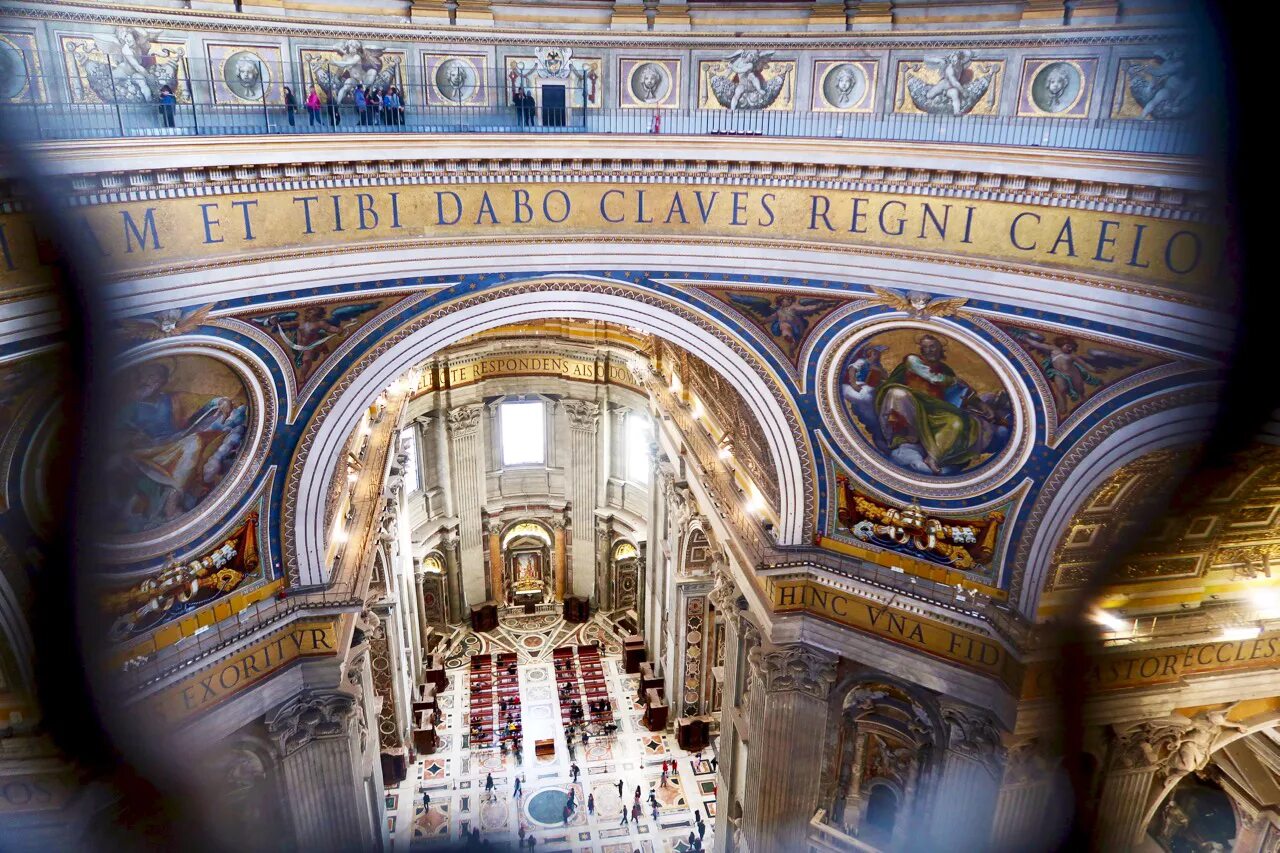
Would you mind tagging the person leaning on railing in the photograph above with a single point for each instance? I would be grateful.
(290, 104)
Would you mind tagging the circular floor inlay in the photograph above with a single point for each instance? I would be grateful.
(547, 807)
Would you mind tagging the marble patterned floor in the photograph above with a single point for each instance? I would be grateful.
(454, 776)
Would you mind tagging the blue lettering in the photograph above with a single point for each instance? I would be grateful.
(132, 232)
(306, 209)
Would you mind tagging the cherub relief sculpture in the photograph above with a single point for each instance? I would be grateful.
(956, 91)
(134, 71)
(357, 64)
(1167, 88)
(743, 85)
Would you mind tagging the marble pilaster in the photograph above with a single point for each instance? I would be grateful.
(787, 715)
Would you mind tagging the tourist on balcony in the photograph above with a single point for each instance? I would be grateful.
(290, 104)
(375, 107)
(391, 105)
(362, 104)
(313, 105)
(168, 104)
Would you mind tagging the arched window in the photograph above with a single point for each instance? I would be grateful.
(881, 813)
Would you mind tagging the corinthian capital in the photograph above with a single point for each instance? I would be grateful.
(312, 715)
(465, 419)
(582, 414)
(725, 591)
(973, 734)
(795, 667)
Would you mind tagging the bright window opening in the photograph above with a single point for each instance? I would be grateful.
(409, 447)
(523, 433)
(639, 437)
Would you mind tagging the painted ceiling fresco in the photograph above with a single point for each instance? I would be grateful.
(906, 403)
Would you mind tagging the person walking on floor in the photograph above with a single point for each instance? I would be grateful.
(574, 771)
(635, 812)
(517, 791)
(619, 789)
(655, 811)
(663, 784)
(488, 786)
(426, 801)
(532, 841)
(568, 810)
(714, 761)
(521, 844)
(702, 830)
(591, 804)
(623, 821)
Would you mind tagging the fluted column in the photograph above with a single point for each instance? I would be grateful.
(494, 532)
(558, 557)
(1026, 814)
(315, 738)
(604, 557)
(583, 417)
(453, 576)
(421, 598)
(972, 765)
(1131, 769)
(466, 454)
(788, 711)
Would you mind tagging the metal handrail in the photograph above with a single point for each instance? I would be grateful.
(201, 112)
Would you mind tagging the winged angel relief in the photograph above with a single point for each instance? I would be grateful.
(313, 332)
(742, 85)
(127, 66)
(357, 64)
(956, 89)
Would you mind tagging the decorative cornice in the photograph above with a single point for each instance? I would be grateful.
(1136, 198)
(216, 22)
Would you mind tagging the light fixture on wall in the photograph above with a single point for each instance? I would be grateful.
(1110, 621)
(1266, 602)
(1239, 632)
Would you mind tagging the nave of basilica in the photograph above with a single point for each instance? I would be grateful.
(631, 425)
